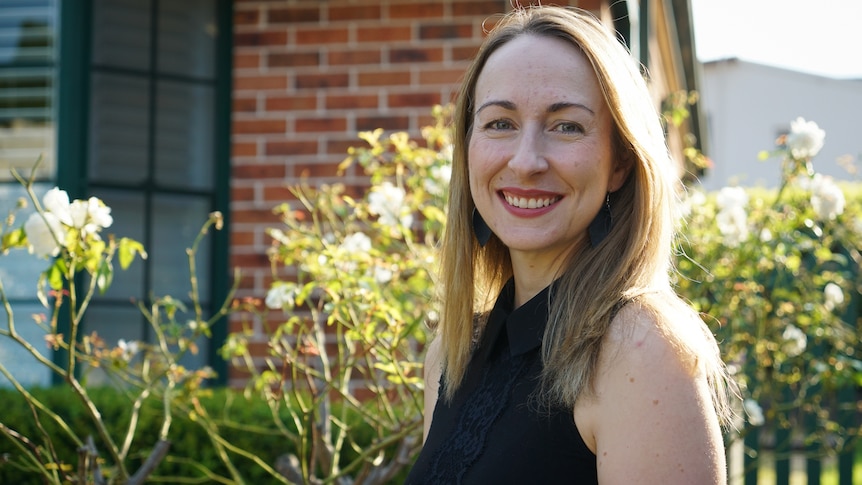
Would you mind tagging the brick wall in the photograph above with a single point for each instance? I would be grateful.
(310, 74)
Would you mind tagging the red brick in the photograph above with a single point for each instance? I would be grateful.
(307, 125)
(416, 10)
(354, 57)
(384, 78)
(240, 194)
(321, 35)
(441, 76)
(241, 238)
(289, 103)
(244, 149)
(293, 59)
(474, 7)
(414, 55)
(351, 101)
(424, 120)
(252, 260)
(386, 122)
(246, 60)
(413, 100)
(464, 53)
(339, 147)
(353, 13)
(244, 104)
(316, 169)
(259, 126)
(445, 31)
(258, 171)
(246, 17)
(383, 34)
(308, 147)
(277, 194)
(317, 81)
(256, 83)
(253, 39)
(293, 15)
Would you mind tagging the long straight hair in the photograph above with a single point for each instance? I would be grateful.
(632, 262)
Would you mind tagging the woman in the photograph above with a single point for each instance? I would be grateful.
(587, 368)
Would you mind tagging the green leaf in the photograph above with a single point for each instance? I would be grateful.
(55, 275)
(104, 276)
(127, 250)
(14, 239)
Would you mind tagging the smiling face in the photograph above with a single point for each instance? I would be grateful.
(540, 152)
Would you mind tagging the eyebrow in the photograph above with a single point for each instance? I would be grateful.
(508, 105)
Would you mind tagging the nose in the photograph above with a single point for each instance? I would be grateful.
(528, 158)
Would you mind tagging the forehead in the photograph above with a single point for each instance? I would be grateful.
(534, 68)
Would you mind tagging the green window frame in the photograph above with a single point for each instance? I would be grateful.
(125, 107)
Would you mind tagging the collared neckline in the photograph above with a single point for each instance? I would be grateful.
(525, 325)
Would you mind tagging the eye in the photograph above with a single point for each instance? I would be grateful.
(498, 125)
(567, 127)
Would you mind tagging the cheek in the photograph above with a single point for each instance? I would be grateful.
(483, 158)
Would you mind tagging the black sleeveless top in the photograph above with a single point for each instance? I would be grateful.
(494, 431)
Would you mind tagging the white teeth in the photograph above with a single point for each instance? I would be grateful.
(524, 203)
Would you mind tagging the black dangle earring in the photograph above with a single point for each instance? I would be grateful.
(480, 228)
(601, 225)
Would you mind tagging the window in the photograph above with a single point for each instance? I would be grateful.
(152, 150)
(28, 76)
(129, 101)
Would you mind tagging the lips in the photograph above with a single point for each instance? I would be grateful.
(529, 201)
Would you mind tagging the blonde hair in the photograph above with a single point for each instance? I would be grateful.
(632, 262)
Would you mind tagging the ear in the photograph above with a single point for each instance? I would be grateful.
(621, 172)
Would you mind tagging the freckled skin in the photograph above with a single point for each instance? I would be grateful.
(542, 131)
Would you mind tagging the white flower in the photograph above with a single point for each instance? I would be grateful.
(833, 296)
(280, 296)
(382, 275)
(439, 180)
(795, 341)
(733, 225)
(732, 218)
(754, 412)
(129, 349)
(694, 198)
(100, 214)
(357, 242)
(56, 201)
(45, 234)
(90, 216)
(765, 235)
(827, 198)
(387, 202)
(805, 138)
(732, 198)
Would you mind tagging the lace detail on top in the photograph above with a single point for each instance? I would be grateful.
(478, 413)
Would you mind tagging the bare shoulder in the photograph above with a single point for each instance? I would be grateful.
(652, 419)
(659, 328)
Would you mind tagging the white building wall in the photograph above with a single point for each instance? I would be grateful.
(749, 105)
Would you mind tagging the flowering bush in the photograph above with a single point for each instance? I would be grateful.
(353, 286)
(776, 274)
(69, 235)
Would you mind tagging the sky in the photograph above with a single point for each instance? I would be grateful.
(819, 37)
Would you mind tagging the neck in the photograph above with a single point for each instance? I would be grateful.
(533, 273)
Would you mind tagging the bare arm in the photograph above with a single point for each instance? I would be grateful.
(653, 421)
(433, 369)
